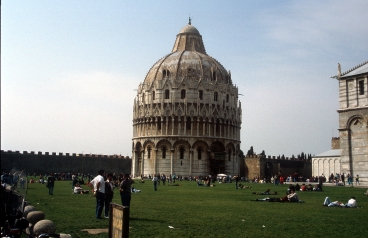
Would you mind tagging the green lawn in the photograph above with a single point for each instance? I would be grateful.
(220, 211)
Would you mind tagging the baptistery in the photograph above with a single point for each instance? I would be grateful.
(186, 114)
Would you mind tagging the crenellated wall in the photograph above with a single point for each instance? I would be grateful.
(39, 163)
(264, 167)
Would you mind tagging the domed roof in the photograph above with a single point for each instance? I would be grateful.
(189, 29)
(188, 61)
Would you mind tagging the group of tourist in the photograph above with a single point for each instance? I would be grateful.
(339, 179)
(103, 189)
(12, 179)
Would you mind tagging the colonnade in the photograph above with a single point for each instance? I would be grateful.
(153, 127)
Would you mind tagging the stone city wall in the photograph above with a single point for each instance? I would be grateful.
(40, 163)
(264, 167)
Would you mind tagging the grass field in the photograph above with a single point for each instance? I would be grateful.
(220, 211)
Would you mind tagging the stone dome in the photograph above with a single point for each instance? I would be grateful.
(189, 29)
(188, 61)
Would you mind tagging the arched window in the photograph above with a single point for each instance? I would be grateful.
(199, 150)
(181, 152)
(164, 152)
(189, 123)
(167, 94)
(229, 154)
(227, 97)
(153, 95)
(213, 76)
(200, 95)
(191, 73)
(159, 123)
(215, 96)
(149, 152)
(143, 97)
(182, 93)
(165, 73)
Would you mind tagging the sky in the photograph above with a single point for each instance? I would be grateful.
(69, 69)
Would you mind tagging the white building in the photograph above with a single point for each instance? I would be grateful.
(186, 115)
(352, 154)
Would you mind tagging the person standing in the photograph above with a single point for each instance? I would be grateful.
(343, 178)
(98, 184)
(237, 178)
(357, 180)
(154, 180)
(109, 194)
(51, 183)
(126, 191)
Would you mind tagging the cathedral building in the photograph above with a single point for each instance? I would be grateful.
(186, 114)
(349, 153)
(353, 120)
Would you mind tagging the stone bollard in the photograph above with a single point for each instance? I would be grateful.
(44, 226)
(27, 210)
(62, 235)
(33, 217)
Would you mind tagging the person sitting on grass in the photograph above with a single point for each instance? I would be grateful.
(366, 193)
(293, 196)
(291, 187)
(268, 200)
(267, 192)
(134, 190)
(310, 187)
(303, 188)
(243, 186)
(199, 183)
(351, 203)
(79, 190)
(318, 188)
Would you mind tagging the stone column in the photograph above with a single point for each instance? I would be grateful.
(191, 126)
(145, 124)
(150, 124)
(172, 161)
(214, 127)
(197, 126)
(220, 128)
(228, 129)
(162, 125)
(185, 126)
(166, 124)
(204, 127)
(179, 122)
(155, 159)
(209, 127)
(173, 125)
(142, 165)
(190, 161)
(134, 164)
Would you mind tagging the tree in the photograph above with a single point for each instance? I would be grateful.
(241, 154)
(250, 151)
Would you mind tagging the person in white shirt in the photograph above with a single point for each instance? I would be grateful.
(78, 189)
(98, 184)
(351, 203)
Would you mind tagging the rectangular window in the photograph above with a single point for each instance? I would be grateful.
(200, 95)
(361, 87)
(199, 154)
(164, 152)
